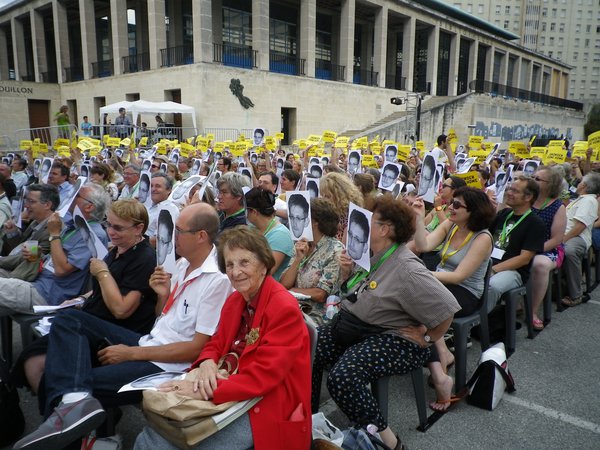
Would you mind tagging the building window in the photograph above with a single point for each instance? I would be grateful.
(282, 37)
(552, 26)
(543, 26)
(575, 56)
(480, 9)
(498, 9)
(237, 27)
(561, 28)
(560, 42)
(507, 10)
(506, 24)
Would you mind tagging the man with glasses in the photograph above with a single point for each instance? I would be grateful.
(224, 165)
(131, 178)
(188, 306)
(298, 214)
(161, 186)
(358, 235)
(59, 177)
(41, 200)
(389, 176)
(64, 271)
(518, 235)
(230, 200)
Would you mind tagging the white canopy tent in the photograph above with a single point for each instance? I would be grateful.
(144, 107)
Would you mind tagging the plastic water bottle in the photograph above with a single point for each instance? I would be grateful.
(331, 306)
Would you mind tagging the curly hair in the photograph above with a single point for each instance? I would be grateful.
(322, 212)
(398, 213)
(341, 191)
(365, 182)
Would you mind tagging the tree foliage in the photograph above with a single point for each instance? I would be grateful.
(593, 121)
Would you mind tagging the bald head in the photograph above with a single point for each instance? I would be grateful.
(200, 216)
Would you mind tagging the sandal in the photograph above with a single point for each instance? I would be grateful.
(400, 445)
(449, 402)
(568, 301)
(538, 325)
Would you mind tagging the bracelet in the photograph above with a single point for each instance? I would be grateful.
(100, 271)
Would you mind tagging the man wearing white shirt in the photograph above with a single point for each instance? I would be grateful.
(188, 308)
(131, 177)
(161, 186)
(443, 152)
(19, 176)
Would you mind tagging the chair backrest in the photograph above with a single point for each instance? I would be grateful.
(486, 308)
(313, 336)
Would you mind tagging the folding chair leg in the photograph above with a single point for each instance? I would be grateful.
(7, 338)
(460, 357)
(380, 390)
(420, 398)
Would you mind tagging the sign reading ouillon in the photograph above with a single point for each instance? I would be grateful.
(16, 89)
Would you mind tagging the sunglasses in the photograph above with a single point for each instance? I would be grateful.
(457, 205)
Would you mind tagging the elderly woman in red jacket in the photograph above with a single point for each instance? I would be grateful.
(263, 335)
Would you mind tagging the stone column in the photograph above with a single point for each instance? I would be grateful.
(473, 58)
(433, 49)
(517, 74)
(381, 40)
(347, 38)
(217, 21)
(3, 55)
(141, 27)
(308, 33)
(61, 38)
(203, 30)
(89, 52)
(453, 69)
(489, 63)
(157, 32)
(119, 32)
(260, 32)
(504, 68)
(18, 44)
(408, 52)
(40, 63)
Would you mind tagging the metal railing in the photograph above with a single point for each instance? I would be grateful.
(136, 63)
(102, 69)
(73, 73)
(286, 63)
(46, 135)
(392, 81)
(365, 77)
(235, 55)
(223, 134)
(325, 70)
(27, 77)
(6, 144)
(49, 77)
(501, 90)
(177, 56)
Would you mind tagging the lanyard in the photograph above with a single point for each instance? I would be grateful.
(545, 203)
(445, 255)
(270, 226)
(173, 297)
(237, 213)
(363, 273)
(505, 233)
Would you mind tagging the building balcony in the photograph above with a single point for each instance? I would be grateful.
(393, 81)
(49, 77)
(325, 70)
(365, 77)
(235, 55)
(136, 63)
(286, 63)
(102, 69)
(177, 56)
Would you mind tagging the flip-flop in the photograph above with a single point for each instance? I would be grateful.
(454, 399)
(567, 301)
(538, 325)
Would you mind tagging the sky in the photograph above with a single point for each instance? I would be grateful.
(5, 2)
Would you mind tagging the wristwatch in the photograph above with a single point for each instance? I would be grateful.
(427, 339)
(52, 238)
(439, 208)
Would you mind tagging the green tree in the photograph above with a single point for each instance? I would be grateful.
(593, 121)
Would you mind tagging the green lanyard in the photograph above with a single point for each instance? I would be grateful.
(363, 273)
(505, 233)
(237, 213)
(270, 226)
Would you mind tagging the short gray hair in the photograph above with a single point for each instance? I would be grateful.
(592, 183)
(236, 182)
(169, 181)
(99, 198)
(137, 169)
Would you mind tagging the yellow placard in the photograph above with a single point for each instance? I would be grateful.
(452, 137)
(580, 149)
(329, 136)
(387, 142)
(479, 155)
(202, 142)
(312, 151)
(367, 160)
(60, 142)
(270, 143)
(241, 138)
(210, 136)
(403, 152)
(25, 145)
(161, 148)
(537, 152)
(35, 148)
(314, 138)
(105, 138)
(185, 149)
(556, 145)
(518, 149)
(64, 150)
(302, 144)
(532, 139)
(555, 155)
(471, 178)
(594, 140)
(238, 149)
(341, 142)
(375, 147)
(84, 145)
(219, 147)
(113, 142)
(125, 142)
(420, 146)
(143, 141)
(279, 136)
(95, 150)
(43, 147)
(475, 142)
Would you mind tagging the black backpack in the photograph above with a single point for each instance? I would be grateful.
(11, 416)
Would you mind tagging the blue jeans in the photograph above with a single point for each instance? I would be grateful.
(72, 366)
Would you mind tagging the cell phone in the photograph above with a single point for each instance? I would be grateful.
(104, 342)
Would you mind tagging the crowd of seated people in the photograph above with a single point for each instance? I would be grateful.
(229, 303)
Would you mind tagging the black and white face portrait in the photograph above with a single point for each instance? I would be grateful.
(64, 205)
(313, 160)
(86, 234)
(389, 175)
(391, 153)
(258, 136)
(253, 158)
(218, 155)
(312, 186)
(196, 166)
(465, 165)
(396, 191)
(428, 173)
(325, 160)
(315, 171)
(85, 170)
(163, 167)
(119, 152)
(502, 180)
(175, 157)
(246, 172)
(280, 165)
(36, 167)
(164, 236)
(146, 164)
(185, 187)
(45, 170)
(354, 158)
(529, 167)
(299, 215)
(144, 189)
(358, 235)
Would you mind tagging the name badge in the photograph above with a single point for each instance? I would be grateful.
(49, 265)
(498, 253)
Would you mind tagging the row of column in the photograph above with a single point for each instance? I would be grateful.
(205, 29)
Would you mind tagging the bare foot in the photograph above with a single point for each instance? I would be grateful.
(443, 391)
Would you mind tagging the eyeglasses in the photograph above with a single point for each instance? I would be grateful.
(118, 228)
(381, 222)
(457, 205)
(86, 199)
(155, 166)
(447, 186)
(29, 201)
(129, 174)
(538, 179)
(180, 231)
(353, 237)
